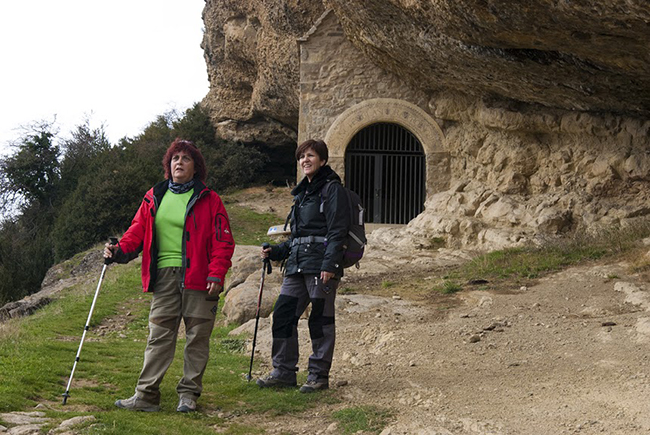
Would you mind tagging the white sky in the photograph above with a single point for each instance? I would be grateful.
(120, 62)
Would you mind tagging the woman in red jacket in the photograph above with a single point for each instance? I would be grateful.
(183, 232)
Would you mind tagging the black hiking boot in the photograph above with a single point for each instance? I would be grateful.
(314, 385)
(272, 381)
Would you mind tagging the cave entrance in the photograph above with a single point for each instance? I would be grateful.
(385, 165)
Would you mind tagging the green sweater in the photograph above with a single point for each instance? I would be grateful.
(170, 224)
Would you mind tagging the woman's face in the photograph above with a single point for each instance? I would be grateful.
(182, 166)
(310, 162)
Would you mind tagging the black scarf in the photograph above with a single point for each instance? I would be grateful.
(181, 188)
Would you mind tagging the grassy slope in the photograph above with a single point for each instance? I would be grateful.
(37, 353)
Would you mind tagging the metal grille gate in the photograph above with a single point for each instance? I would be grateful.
(385, 166)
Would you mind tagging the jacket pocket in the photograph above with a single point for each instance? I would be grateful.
(222, 229)
(310, 255)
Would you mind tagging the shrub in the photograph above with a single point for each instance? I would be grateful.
(25, 253)
(234, 165)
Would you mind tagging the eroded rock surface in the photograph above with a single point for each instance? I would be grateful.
(578, 56)
(252, 58)
(543, 105)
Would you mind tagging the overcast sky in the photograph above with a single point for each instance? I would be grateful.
(121, 62)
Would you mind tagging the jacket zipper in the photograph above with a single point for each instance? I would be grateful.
(153, 211)
(188, 210)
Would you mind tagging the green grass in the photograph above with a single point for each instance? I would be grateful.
(346, 291)
(37, 354)
(553, 255)
(249, 227)
(368, 419)
(448, 287)
(512, 266)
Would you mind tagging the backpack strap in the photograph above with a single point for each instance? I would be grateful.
(323, 194)
(286, 222)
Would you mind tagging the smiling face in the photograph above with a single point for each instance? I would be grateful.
(182, 167)
(310, 163)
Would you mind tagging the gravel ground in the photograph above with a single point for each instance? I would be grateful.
(565, 355)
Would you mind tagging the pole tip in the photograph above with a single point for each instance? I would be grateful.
(65, 397)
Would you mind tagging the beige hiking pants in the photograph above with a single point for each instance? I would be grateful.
(169, 304)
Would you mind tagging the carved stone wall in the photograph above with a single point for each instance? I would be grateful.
(499, 173)
(341, 93)
(541, 111)
(401, 112)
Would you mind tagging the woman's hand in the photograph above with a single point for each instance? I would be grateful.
(214, 288)
(109, 250)
(326, 276)
(265, 253)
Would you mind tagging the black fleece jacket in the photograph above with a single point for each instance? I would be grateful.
(308, 220)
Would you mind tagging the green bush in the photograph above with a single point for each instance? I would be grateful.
(234, 165)
(25, 253)
(67, 197)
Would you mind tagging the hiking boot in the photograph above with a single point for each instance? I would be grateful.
(313, 385)
(185, 404)
(272, 381)
(135, 403)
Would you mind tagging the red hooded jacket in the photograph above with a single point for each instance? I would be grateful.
(207, 245)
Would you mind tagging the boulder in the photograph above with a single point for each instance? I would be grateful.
(241, 300)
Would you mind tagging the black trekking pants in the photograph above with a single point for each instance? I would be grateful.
(297, 292)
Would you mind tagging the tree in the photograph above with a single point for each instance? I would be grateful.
(195, 125)
(79, 151)
(32, 172)
(25, 252)
(103, 203)
(110, 185)
(72, 196)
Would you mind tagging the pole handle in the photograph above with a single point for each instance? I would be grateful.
(112, 241)
(267, 260)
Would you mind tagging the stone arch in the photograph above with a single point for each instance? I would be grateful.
(389, 110)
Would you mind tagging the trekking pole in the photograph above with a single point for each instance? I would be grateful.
(266, 269)
(107, 261)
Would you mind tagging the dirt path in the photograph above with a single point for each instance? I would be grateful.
(566, 355)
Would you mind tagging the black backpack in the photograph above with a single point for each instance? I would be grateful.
(355, 242)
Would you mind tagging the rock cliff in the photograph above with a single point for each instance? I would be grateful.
(544, 105)
(252, 58)
(574, 55)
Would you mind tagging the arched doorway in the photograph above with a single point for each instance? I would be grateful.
(385, 165)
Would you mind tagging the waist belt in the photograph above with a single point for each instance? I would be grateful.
(308, 239)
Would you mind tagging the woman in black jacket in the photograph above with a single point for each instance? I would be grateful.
(313, 254)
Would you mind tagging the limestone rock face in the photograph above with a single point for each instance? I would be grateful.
(252, 58)
(521, 175)
(544, 106)
(578, 55)
(587, 56)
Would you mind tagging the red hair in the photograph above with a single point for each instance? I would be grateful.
(189, 148)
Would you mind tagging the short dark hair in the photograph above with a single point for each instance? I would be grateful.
(319, 147)
(188, 147)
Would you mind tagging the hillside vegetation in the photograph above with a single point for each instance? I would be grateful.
(61, 195)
